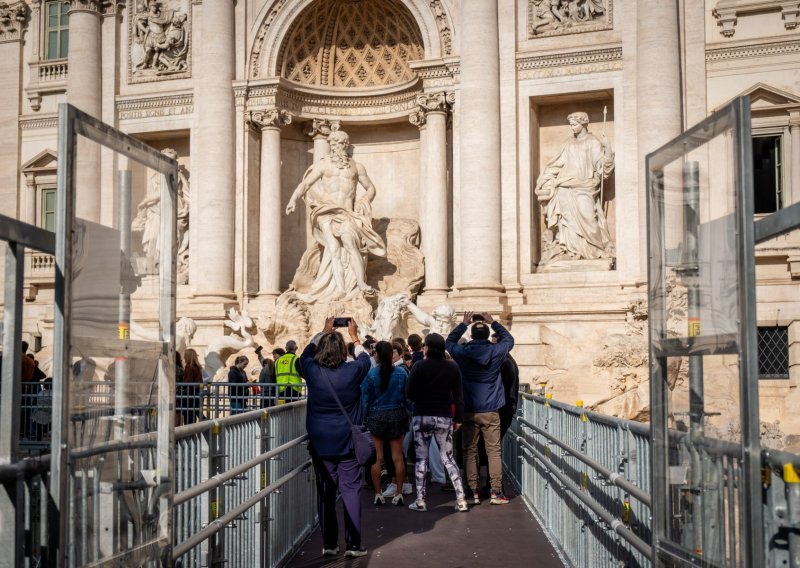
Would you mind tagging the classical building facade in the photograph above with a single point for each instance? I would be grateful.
(457, 109)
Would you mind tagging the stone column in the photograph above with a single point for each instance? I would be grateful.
(479, 105)
(13, 17)
(658, 93)
(658, 75)
(83, 92)
(319, 130)
(213, 160)
(270, 204)
(435, 243)
(793, 195)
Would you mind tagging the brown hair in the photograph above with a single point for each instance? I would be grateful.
(331, 350)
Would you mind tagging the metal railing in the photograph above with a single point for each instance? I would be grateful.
(244, 495)
(586, 477)
(194, 402)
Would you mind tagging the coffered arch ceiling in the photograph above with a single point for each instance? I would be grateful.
(427, 24)
(351, 44)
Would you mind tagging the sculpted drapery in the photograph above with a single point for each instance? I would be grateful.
(569, 190)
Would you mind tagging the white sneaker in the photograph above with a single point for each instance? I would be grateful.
(330, 551)
(461, 505)
(418, 505)
(408, 489)
(391, 490)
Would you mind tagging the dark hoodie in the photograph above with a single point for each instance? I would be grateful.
(480, 361)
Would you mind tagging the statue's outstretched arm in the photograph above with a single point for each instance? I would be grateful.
(311, 176)
(422, 317)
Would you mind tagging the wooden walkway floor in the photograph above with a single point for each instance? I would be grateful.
(493, 536)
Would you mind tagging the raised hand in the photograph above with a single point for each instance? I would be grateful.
(467, 318)
(328, 325)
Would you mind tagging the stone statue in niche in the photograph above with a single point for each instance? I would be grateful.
(341, 221)
(570, 190)
(161, 41)
(148, 221)
(560, 15)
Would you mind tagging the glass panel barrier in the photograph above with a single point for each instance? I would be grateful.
(115, 461)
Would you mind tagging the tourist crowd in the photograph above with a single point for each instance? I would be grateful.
(453, 397)
(431, 391)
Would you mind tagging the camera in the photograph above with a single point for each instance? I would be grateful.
(477, 317)
(341, 322)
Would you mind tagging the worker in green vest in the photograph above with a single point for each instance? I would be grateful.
(287, 374)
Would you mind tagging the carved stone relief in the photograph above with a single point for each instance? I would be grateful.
(558, 17)
(13, 18)
(159, 40)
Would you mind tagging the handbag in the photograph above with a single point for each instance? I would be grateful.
(363, 444)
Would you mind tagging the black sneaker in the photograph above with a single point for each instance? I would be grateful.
(355, 551)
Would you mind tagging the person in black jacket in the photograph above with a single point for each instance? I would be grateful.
(238, 395)
(434, 387)
(509, 374)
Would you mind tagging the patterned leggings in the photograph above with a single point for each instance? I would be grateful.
(425, 427)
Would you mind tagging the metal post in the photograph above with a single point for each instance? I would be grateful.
(690, 272)
(62, 332)
(216, 450)
(264, 516)
(166, 374)
(11, 385)
(753, 547)
(122, 364)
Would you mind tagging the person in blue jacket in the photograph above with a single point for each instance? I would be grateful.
(325, 367)
(480, 361)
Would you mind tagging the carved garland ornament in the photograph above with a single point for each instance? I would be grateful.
(159, 40)
(559, 17)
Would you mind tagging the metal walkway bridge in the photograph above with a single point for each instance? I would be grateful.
(244, 496)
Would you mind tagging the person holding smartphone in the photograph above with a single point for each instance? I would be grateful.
(327, 371)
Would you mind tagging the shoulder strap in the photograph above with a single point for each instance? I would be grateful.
(335, 396)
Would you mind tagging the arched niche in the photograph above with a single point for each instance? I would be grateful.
(276, 19)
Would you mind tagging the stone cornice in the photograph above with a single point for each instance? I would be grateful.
(13, 20)
(727, 12)
(166, 105)
(37, 122)
(753, 50)
(573, 63)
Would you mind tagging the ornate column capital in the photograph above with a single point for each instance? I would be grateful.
(433, 102)
(417, 118)
(13, 19)
(273, 118)
(94, 6)
(322, 127)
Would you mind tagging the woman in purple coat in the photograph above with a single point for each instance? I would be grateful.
(324, 365)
